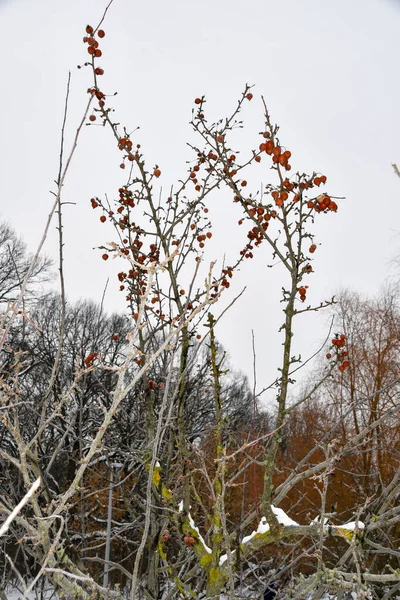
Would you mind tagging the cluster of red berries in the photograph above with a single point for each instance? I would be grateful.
(189, 540)
(94, 51)
(279, 155)
(307, 184)
(279, 197)
(100, 96)
(93, 44)
(203, 237)
(153, 385)
(125, 198)
(223, 281)
(255, 234)
(323, 203)
(228, 272)
(303, 291)
(257, 212)
(263, 215)
(193, 175)
(125, 143)
(260, 212)
(339, 343)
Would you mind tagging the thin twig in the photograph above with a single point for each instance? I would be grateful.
(19, 507)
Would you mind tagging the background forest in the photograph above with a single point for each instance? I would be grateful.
(135, 460)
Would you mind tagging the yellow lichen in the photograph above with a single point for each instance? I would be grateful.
(215, 576)
(347, 533)
(205, 560)
(161, 550)
(166, 493)
(156, 476)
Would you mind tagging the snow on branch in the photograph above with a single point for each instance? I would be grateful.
(194, 527)
(263, 526)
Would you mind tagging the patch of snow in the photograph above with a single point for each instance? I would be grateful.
(352, 526)
(283, 517)
(193, 526)
(11, 593)
(263, 526)
(318, 520)
(224, 558)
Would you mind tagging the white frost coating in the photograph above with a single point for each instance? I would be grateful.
(263, 526)
(193, 526)
(352, 526)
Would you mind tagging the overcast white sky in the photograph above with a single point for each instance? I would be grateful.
(329, 71)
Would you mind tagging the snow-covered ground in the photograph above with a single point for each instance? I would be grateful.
(15, 594)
